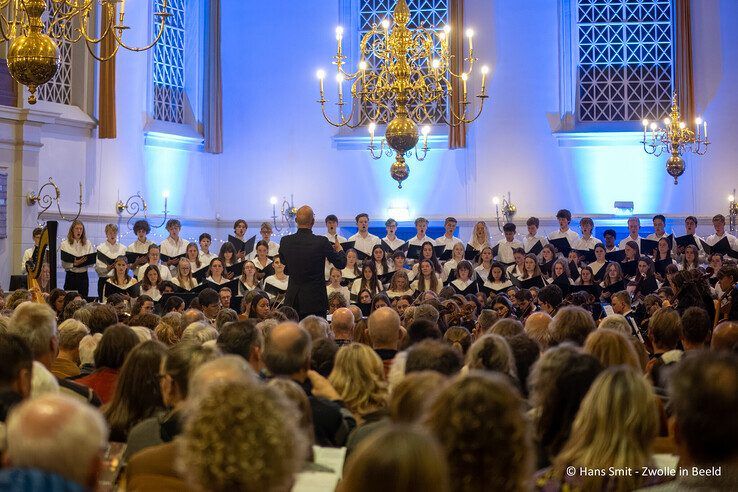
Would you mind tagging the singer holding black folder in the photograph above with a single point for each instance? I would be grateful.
(77, 255)
(304, 255)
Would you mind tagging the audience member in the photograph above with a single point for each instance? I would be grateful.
(15, 373)
(287, 354)
(316, 326)
(432, 355)
(571, 324)
(397, 459)
(55, 442)
(358, 377)
(507, 327)
(611, 348)
(245, 339)
(480, 422)
(536, 327)
(384, 332)
(323, 356)
(342, 326)
(696, 329)
(725, 337)
(459, 338)
(66, 364)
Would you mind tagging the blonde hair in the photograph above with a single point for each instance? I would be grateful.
(411, 396)
(612, 348)
(71, 332)
(614, 427)
(358, 376)
(242, 437)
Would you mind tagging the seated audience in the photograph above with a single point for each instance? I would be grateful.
(66, 364)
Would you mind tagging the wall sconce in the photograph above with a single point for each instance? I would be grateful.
(45, 197)
(508, 209)
(732, 211)
(288, 212)
(137, 203)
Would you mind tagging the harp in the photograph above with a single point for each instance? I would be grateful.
(45, 252)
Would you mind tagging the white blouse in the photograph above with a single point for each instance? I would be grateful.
(77, 249)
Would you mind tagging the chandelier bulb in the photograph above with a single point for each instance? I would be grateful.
(485, 70)
(464, 77)
(426, 130)
(698, 121)
(362, 65)
(320, 74)
(667, 121)
(731, 198)
(436, 63)
(645, 122)
(682, 125)
(470, 33)
(385, 24)
(653, 126)
(447, 29)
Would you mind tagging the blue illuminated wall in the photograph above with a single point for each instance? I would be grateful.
(277, 144)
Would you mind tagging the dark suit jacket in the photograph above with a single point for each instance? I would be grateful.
(304, 255)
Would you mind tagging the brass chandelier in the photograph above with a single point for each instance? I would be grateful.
(413, 80)
(33, 53)
(675, 138)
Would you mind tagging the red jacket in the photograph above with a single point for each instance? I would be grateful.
(102, 382)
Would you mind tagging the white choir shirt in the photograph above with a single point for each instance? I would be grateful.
(447, 267)
(169, 247)
(364, 244)
(482, 272)
(273, 251)
(462, 285)
(205, 258)
(625, 241)
(344, 291)
(713, 239)
(356, 287)
(130, 283)
(505, 250)
(586, 244)
(392, 294)
(175, 281)
(449, 243)
(515, 271)
(654, 237)
(77, 249)
(497, 286)
(259, 266)
(597, 266)
(530, 241)
(164, 272)
(415, 283)
(571, 235)
(610, 250)
(418, 241)
(332, 238)
(243, 288)
(348, 274)
(223, 280)
(393, 243)
(27, 255)
(139, 247)
(153, 293)
(280, 284)
(111, 251)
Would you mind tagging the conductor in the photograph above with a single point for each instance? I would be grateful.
(304, 255)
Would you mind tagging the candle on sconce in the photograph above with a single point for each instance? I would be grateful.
(425, 131)
(705, 129)
(372, 128)
(645, 127)
(698, 126)
(339, 38)
(464, 78)
(653, 127)
(470, 35)
(340, 79)
(321, 76)
(485, 71)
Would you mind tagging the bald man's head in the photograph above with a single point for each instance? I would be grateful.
(288, 351)
(342, 324)
(226, 369)
(536, 327)
(384, 328)
(305, 217)
(58, 434)
(356, 310)
(725, 336)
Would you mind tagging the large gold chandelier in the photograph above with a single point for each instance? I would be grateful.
(675, 138)
(33, 54)
(414, 77)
